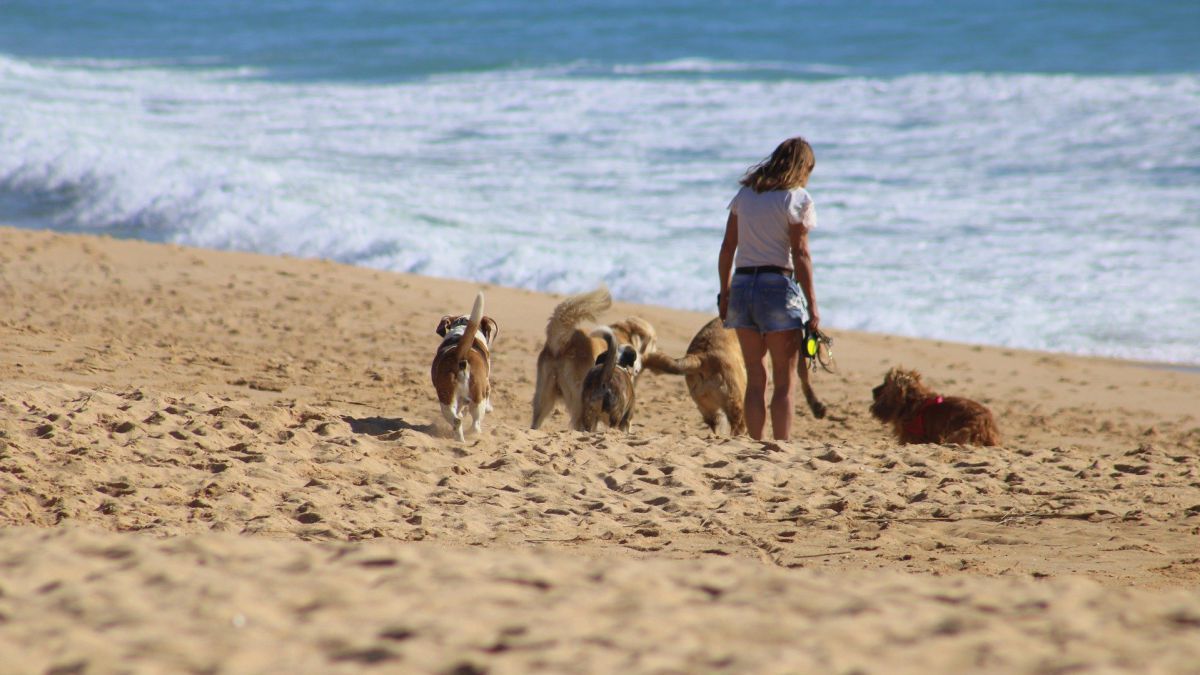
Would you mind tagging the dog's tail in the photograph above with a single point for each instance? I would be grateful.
(573, 311)
(610, 353)
(661, 363)
(468, 337)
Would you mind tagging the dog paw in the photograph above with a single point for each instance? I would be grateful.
(818, 410)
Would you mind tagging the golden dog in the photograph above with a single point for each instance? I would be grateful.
(715, 373)
(569, 352)
(918, 415)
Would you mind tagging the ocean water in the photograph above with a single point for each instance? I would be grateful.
(1023, 173)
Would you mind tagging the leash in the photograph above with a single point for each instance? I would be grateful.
(818, 349)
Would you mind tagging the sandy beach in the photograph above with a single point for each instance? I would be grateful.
(217, 462)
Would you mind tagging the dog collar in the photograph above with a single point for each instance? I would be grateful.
(916, 426)
(458, 329)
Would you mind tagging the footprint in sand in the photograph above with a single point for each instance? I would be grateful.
(116, 489)
(367, 655)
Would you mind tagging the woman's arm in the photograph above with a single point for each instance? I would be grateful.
(798, 237)
(725, 262)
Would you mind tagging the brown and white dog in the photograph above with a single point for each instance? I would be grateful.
(607, 394)
(715, 373)
(918, 415)
(462, 367)
(569, 352)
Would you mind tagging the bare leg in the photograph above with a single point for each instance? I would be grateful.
(784, 347)
(754, 351)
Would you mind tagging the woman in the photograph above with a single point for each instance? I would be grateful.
(767, 235)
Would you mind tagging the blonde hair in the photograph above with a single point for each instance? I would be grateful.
(787, 168)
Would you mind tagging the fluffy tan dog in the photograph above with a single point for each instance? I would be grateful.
(569, 352)
(607, 394)
(462, 367)
(918, 415)
(715, 375)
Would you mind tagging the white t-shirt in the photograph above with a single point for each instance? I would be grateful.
(763, 222)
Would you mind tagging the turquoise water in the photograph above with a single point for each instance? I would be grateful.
(365, 40)
(1019, 173)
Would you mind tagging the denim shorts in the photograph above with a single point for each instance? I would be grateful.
(766, 302)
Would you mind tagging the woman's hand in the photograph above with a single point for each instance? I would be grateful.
(723, 304)
(814, 320)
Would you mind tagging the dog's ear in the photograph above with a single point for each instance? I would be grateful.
(490, 329)
(631, 359)
(444, 325)
(628, 357)
(898, 376)
(642, 334)
(907, 379)
(635, 341)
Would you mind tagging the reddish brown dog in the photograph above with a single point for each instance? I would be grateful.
(462, 367)
(918, 415)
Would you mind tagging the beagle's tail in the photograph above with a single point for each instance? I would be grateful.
(468, 337)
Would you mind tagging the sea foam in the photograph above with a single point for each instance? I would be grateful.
(1040, 211)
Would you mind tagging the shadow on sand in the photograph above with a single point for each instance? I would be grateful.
(379, 426)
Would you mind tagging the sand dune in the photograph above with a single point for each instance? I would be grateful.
(221, 462)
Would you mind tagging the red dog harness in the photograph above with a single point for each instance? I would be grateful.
(916, 426)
